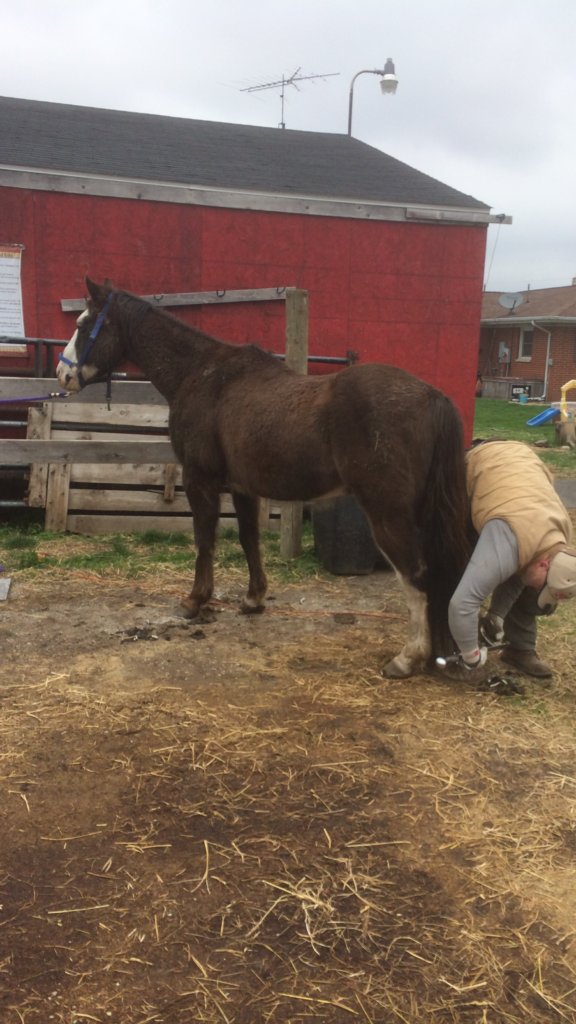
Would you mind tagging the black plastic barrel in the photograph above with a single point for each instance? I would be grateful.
(343, 539)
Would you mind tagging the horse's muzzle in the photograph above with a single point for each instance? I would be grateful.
(68, 379)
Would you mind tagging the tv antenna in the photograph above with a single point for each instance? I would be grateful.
(283, 82)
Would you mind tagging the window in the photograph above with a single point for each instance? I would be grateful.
(525, 345)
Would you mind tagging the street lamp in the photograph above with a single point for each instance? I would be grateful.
(388, 84)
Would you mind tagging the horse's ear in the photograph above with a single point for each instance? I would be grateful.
(98, 292)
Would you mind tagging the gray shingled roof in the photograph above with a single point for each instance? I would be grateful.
(59, 137)
(537, 303)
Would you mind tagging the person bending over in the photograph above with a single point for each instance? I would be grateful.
(522, 560)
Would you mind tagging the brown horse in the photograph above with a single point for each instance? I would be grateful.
(240, 421)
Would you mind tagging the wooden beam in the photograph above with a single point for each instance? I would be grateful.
(25, 453)
(132, 392)
(100, 499)
(190, 195)
(57, 498)
(297, 360)
(119, 414)
(150, 475)
(98, 526)
(197, 298)
(39, 425)
(170, 481)
(297, 330)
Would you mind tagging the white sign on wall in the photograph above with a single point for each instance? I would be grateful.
(11, 311)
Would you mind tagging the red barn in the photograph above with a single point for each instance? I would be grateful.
(392, 259)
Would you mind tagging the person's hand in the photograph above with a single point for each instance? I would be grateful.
(492, 629)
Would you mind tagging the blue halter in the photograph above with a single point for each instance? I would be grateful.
(90, 342)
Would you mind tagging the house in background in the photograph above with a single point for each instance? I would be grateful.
(528, 343)
(391, 258)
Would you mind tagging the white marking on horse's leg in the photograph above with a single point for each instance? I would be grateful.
(418, 647)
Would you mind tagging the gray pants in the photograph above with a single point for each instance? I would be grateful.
(493, 572)
(518, 606)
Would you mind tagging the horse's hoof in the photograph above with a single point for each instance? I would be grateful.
(190, 608)
(251, 609)
(396, 669)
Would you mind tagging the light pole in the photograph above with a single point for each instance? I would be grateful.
(388, 84)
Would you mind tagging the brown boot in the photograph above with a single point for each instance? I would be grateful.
(526, 662)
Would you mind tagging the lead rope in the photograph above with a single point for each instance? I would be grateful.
(27, 399)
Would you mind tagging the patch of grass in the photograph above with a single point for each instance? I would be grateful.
(228, 533)
(17, 541)
(119, 545)
(495, 418)
(133, 555)
(507, 420)
(560, 462)
(155, 538)
(29, 560)
(229, 555)
(98, 560)
(305, 566)
(129, 554)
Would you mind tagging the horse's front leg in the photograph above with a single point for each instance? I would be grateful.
(205, 506)
(247, 510)
(417, 649)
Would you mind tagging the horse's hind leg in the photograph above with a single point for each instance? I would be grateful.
(397, 540)
(247, 511)
(417, 649)
(205, 505)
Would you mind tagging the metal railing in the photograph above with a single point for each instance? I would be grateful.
(44, 358)
(43, 355)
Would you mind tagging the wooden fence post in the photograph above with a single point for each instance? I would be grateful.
(39, 424)
(57, 497)
(297, 360)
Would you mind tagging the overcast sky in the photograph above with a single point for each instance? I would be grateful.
(486, 100)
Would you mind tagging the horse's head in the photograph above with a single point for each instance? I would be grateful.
(94, 349)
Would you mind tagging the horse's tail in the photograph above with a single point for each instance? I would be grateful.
(446, 528)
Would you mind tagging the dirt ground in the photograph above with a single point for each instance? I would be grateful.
(241, 821)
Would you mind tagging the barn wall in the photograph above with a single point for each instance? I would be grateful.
(403, 293)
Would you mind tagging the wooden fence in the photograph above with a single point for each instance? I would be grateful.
(112, 470)
(96, 469)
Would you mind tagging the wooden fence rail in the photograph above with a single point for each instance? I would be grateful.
(23, 452)
(100, 470)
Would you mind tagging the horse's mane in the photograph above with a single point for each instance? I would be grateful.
(134, 308)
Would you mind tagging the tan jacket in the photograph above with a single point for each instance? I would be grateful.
(506, 480)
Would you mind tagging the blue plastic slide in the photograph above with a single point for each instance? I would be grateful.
(543, 417)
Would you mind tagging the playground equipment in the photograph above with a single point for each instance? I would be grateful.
(565, 412)
(543, 417)
(554, 411)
